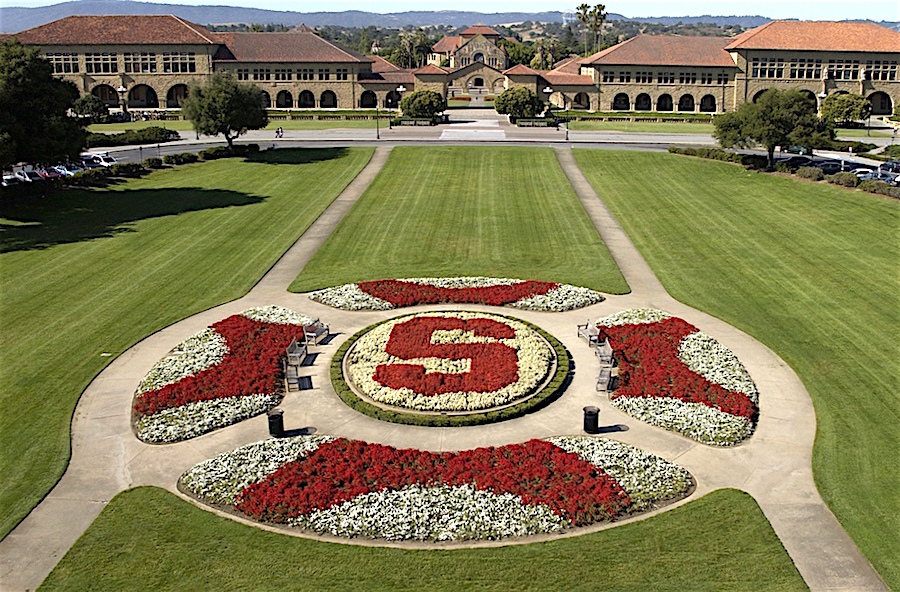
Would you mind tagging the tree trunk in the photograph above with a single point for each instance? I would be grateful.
(770, 152)
(230, 139)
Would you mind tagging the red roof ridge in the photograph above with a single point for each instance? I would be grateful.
(191, 26)
(521, 69)
(743, 37)
(430, 69)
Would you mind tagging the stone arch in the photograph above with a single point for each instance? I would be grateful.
(306, 100)
(368, 100)
(328, 100)
(759, 94)
(686, 103)
(392, 101)
(107, 94)
(266, 99)
(284, 100)
(881, 103)
(664, 103)
(643, 102)
(477, 82)
(621, 102)
(708, 104)
(142, 95)
(176, 95)
(581, 101)
(478, 57)
(497, 86)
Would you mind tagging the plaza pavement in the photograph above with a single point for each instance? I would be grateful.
(774, 466)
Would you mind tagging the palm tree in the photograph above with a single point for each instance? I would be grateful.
(597, 16)
(583, 12)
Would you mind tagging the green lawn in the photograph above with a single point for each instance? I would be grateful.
(287, 124)
(862, 134)
(88, 272)
(647, 127)
(809, 269)
(147, 539)
(449, 211)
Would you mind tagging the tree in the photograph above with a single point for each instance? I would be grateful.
(34, 125)
(422, 103)
(518, 102)
(597, 17)
(583, 12)
(843, 109)
(225, 106)
(91, 107)
(777, 118)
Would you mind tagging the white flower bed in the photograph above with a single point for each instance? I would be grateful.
(200, 417)
(196, 353)
(436, 513)
(277, 314)
(633, 316)
(560, 299)
(694, 420)
(349, 297)
(645, 477)
(717, 364)
(219, 480)
(534, 355)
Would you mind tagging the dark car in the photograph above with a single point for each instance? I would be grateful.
(794, 162)
(830, 167)
(892, 166)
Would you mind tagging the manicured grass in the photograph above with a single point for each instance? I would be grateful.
(147, 539)
(862, 133)
(95, 271)
(287, 124)
(647, 127)
(809, 269)
(459, 210)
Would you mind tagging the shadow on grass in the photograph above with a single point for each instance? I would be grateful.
(28, 223)
(297, 155)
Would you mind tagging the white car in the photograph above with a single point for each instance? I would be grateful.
(28, 176)
(100, 160)
(862, 172)
(10, 180)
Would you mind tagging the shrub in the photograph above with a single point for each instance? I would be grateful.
(783, 168)
(216, 153)
(90, 177)
(813, 173)
(892, 151)
(126, 169)
(153, 163)
(183, 158)
(879, 187)
(148, 135)
(845, 145)
(843, 179)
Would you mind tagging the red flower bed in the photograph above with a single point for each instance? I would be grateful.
(537, 471)
(649, 367)
(252, 366)
(401, 293)
(493, 365)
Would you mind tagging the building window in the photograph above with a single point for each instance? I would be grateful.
(687, 78)
(324, 74)
(881, 70)
(140, 63)
(305, 74)
(243, 74)
(179, 62)
(806, 68)
(609, 77)
(262, 74)
(722, 78)
(706, 78)
(666, 78)
(341, 74)
(283, 74)
(63, 63)
(643, 77)
(844, 69)
(767, 68)
(101, 63)
(624, 76)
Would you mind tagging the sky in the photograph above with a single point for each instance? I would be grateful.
(876, 10)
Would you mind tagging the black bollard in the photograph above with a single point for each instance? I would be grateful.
(592, 420)
(276, 423)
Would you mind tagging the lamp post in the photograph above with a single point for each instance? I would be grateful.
(548, 91)
(400, 90)
(377, 131)
(122, 90)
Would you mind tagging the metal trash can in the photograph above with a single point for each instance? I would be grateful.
(276, 423)
(592, 420)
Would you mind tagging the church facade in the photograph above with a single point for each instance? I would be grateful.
(149, 62)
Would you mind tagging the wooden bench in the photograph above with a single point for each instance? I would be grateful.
(313, 331)
(590, 332)
(291, 376)
(604, 353)
(296, 353)
(604, 379)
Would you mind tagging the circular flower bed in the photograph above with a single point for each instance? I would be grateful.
(224, 374)
(389, 294)
(449, 362)
(350, 489)
(673, 376)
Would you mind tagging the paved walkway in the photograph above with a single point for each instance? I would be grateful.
(774, 466)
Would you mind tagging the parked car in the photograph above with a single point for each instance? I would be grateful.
(89, 162)
(28, 176)
(798, 150)
(892, 166)
(105, 160)
(889, 178)
(830, 167)
(68, 170)
(10, 180)
(794, 162)
(862, 172)
(49, 173)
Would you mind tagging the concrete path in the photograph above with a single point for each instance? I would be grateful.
(774, 466)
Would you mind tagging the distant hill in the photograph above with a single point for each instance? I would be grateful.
(13, 19)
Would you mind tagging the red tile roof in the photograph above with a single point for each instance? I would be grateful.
(563, 78)
(294, 47)
(430, 69)
(479, 30)
(666, 50)
(520, 70)
(379, 64)
(121, 30)
(447, 44)
(569, 65)
(396, 77)
(819, 36)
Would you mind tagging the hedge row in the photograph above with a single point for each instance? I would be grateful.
(753, 161)
(148, 135)
(550, 393)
